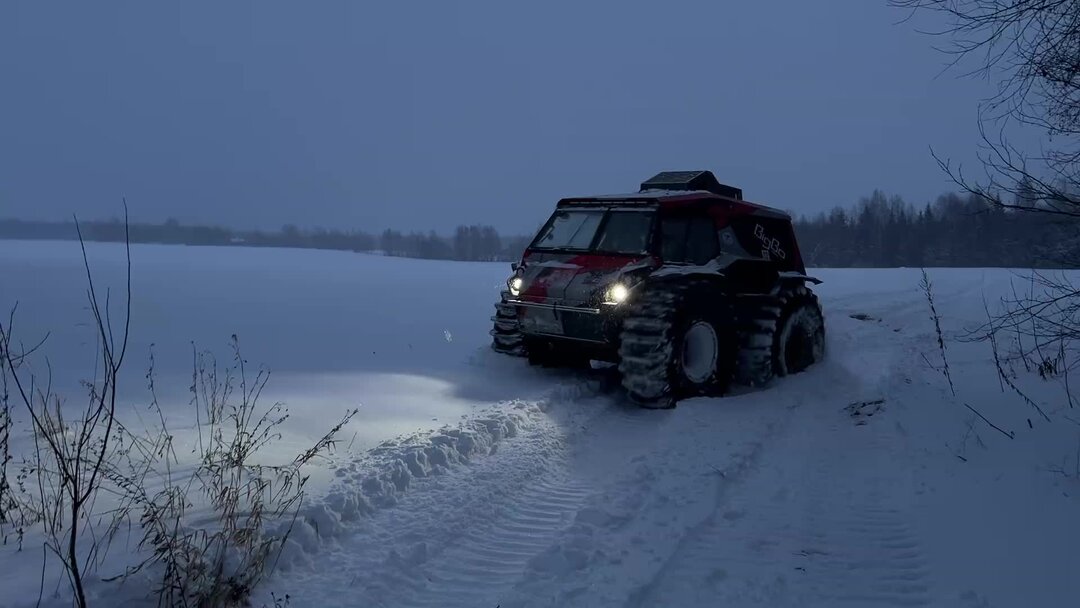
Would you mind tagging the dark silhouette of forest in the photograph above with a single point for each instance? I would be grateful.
(956, 230)
(468, 243)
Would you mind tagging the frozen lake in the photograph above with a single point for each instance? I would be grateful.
(405, 340)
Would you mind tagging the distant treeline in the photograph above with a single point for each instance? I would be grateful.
(468, 243)
(880, 231)
(953, 231)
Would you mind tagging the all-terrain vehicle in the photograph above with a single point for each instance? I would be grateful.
(683, 284)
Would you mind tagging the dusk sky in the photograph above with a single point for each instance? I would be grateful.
(424, 115)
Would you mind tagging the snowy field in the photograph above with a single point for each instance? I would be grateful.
(470, 479)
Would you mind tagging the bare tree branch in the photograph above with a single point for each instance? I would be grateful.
(1031, 48)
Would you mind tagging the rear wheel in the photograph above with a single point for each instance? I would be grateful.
(801, 339)
(780, 334)
(672, 347)
(506, 334)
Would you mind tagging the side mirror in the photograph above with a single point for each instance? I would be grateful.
(514, 266)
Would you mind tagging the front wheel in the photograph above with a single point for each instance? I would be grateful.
(700, 353)
(506, 337)
(672, 347)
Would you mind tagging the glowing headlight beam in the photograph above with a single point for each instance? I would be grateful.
(617, 293)
(515, 285)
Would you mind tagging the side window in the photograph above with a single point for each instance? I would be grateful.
(688, 240)
(673, 239)
(626, 232)
(701, 241)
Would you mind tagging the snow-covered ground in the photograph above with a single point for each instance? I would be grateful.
(472, 480)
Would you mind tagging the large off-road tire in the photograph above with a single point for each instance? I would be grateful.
(780, 334)
(506, 336)
(800, 341)
(673, 346)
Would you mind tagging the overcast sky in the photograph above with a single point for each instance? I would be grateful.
(422, 115)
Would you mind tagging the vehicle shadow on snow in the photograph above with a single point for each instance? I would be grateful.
(501, 378)
(493, 377)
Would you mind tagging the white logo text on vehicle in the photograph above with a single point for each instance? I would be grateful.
(771, 245)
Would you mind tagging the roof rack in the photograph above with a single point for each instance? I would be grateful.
(690, 181)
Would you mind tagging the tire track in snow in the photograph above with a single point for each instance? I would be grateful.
(491, 558)
(653, 473)
(530, 535)
(873, 557)
(462, 545)
(693, 565)
(462, 536)
(755, 553)
(819, 521)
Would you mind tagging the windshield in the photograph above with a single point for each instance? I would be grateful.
(623, 231)
(569, 230)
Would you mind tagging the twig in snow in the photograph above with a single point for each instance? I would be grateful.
(1065, 372)
(1008, 434)
(928, 289)
(1019, 336)
(1016, 389)
(992, 334)
(1076, 465)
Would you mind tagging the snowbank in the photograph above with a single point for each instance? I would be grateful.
(382, 477)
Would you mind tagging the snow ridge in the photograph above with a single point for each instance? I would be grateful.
(383, 476)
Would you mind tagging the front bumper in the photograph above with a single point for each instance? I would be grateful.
(555, 306)
(558, 320)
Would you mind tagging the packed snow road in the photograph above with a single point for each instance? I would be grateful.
(750, 499)
(474, 480)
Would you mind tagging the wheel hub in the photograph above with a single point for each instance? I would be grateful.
(798, 349)
(699, 352)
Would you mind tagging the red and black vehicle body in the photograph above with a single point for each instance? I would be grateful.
(568, 295)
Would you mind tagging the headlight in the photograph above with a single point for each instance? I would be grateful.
(515, 284)
(617, 293)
